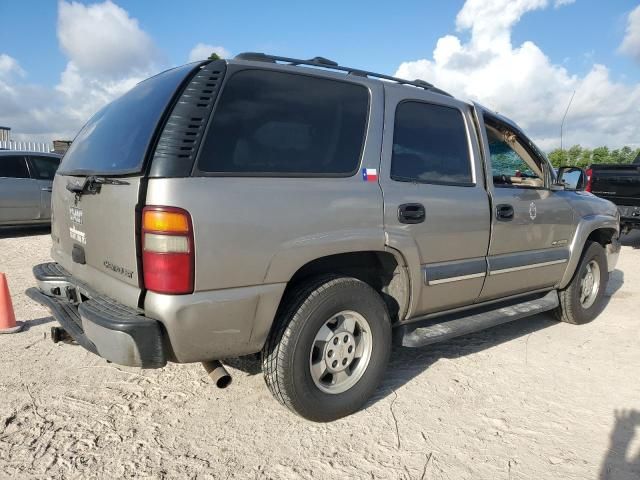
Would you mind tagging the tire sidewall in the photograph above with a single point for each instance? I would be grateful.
(584, 315)
(356, 296)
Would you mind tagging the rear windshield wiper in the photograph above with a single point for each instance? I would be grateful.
(92, 184)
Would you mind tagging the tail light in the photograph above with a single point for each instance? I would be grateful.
(589, 177)
(167, 250)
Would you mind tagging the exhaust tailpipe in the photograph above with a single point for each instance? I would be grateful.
(217, 373)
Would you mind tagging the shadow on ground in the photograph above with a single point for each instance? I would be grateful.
(16, 232)
(619, 463)
(631, 239)
(37, 321)
(407, 363)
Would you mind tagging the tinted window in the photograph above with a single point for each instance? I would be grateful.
(13, 167)
(430, 145)
(116, 138)
(286, 124)
(45, 167)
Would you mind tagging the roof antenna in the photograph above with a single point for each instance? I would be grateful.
(564, 117)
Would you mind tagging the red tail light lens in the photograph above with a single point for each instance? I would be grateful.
(589, 177)
(167, 250)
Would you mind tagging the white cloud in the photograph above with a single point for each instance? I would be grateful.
(103, 39)
(561, 3)
(108, 53)
(631, 43)
(9, 66)
(202, 51)
(522, 82)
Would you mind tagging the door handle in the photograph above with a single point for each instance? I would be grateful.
(411, 213)
(47, 189)
(504, 212)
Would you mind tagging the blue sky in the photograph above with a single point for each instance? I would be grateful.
(354, 33)
(370, 35)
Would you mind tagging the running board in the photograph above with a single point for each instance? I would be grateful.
(410, 336)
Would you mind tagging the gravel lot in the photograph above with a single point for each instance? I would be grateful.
(532, 399)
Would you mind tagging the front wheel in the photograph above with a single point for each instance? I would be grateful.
(582, 300)
(329, 349)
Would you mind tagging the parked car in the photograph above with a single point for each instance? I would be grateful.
(262, 204)
(619, 183)
(25, 187)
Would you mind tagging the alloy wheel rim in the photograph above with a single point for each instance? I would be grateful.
(590, 284)
(341, 352)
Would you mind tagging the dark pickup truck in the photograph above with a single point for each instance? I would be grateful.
(619, 183)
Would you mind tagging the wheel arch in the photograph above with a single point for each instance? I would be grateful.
(602, 229)
(384, 270)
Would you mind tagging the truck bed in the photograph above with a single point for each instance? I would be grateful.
(619, 183)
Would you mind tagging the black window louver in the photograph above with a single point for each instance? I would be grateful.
(180, 139)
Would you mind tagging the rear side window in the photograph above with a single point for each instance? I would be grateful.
(282, 124)
(13, 167)
(116, 139)
(430, 145)
(45, 167)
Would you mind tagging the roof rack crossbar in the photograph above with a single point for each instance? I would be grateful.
(331, 65)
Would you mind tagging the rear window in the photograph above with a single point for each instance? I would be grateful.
(13, 167)
(116, 138)
(282, 124)
(430, 145)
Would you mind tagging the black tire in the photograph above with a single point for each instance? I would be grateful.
(286, 354)
(571, 309)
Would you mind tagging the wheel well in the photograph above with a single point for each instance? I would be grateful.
(603, 236)
(380, 270)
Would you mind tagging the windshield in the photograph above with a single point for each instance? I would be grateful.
(115, 140)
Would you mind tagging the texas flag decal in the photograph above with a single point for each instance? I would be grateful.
(370, 174)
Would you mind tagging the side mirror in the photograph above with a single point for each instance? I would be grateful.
(572, 178)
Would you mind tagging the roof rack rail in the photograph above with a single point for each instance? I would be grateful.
(331, 65)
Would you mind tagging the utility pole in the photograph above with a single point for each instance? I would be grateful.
(564, 117)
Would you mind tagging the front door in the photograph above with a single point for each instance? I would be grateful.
(435, 203)
(532, 225)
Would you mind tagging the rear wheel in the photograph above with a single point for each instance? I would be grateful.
(329, 349)
(582, 300)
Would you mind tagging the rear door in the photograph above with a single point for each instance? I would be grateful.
(434, 196)
(97, 188)
(43, 170)
(19, 194)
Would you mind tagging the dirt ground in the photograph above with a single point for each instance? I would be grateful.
(533, 399)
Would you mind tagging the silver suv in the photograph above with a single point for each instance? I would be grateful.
(313, 213)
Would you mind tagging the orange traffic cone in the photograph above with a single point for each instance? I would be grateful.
(8, 322)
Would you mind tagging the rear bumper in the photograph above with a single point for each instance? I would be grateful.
(100, 324)
(629, 216)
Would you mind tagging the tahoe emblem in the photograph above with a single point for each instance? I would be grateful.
(533, 211)
(75, 214)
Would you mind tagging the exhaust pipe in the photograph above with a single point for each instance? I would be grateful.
(217, 373)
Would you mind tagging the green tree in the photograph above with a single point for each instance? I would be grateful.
(558, 157)
(600, 155)
(583, 157)
(214, 56)
(584, 160)
(574, 154)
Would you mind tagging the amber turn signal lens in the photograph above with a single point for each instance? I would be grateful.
(159, 221)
